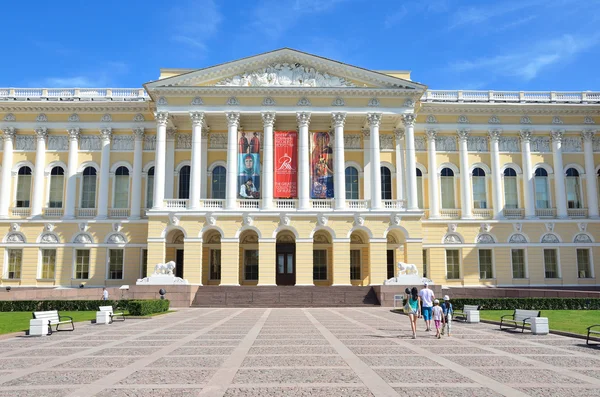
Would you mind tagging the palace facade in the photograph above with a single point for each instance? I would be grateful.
(286, 168)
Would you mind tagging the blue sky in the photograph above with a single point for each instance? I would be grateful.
(447, 44)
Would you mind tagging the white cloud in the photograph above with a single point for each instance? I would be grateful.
(104, 76)
(74, 81)
(194, 23)
(479, 15)
(396, 17)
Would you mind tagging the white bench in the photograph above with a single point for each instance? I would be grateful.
(469, 314)
(112, 314)
(594, 333)
(54, 319)
(519, 319)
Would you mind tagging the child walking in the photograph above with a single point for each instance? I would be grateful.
(438, 317)
(448, 313)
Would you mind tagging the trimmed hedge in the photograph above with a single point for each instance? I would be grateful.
(146, 307)
(529, 303)
(133, 307)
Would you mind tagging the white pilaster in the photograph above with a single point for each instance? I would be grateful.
(399, 135)
(339, 174)
(7, 160)
(374, 120)
(367, 161)
(528, 194)
(560, 192)
(72, 173)
(590, 173)
(233, 121)
(160, 159)
(136, 185)
(466, 198)
(204, 164)
(497, 190)
(170, 163)
(38, 177)
(434, 190)
(196, 171)
(303, 119)
(411, 161)
(268, 152)
(105, 135)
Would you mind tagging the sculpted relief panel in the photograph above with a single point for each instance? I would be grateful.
(352, 141)
(572, 144)
(540, 144)
(509, 144)
(420, 144)
(218, 141)
(477, 144)
(149, 142)
(58, 142)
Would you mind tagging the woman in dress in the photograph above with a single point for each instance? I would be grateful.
(414, 302)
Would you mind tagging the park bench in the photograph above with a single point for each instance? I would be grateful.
(462, 314)
(54, 319)
(593, 332)
(113, 315)
(518, 319)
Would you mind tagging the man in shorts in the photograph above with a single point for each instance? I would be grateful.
(427, 298)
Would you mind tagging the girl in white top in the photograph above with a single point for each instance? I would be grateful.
(438, 317)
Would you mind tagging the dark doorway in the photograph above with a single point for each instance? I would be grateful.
(285, 263)
(390, 264)
(179, 263)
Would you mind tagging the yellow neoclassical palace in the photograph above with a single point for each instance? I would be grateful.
(287, 168)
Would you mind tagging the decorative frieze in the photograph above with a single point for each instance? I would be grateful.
(572, 144)
(420, 144)
(431, 119)
(184, 141)
(352, 141)
(477, 144)
(122, 142)
(509, 144)
(386, 142)
(25, 142)
(149, 142)
(540, 144)
(218, 141)
(444, 143)
(596, 144)
(90, 142)
(58, 142)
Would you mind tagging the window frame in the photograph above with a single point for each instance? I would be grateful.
(109, 263)
(479, 179)
(320, 270)
(558, 272)
(384, 191)
(19, 185)
(517, 186)
(75, 264)
(40, 272)
(459, 265)
(181, 187)
(578, 188)
(351, 191)
(81, 187)
(454, 193)
(246, 266)
(114, 187)
(51, 179)
(7, 255)
(590, 258)
(512, 266)
(548, 192)
(492, 268)
(222, 185)
(353, 271)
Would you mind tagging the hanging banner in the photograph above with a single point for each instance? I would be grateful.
(321, 166)
(249, 165)
(286, 164)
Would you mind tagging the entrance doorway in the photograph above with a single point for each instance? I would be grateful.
(179, 263)
(390, 264)
(286, 264)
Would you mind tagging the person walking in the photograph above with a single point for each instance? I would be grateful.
(427, 298)
(438, 317)
(104, 294)
(448, 313)
(413, 303)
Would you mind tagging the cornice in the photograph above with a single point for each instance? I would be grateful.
(369, 92)
(516, 109)
(121, 107)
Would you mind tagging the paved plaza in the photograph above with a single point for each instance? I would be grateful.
(294, 352)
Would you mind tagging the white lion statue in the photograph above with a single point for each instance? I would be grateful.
(170, 268)
(407, 269)
(164, 268)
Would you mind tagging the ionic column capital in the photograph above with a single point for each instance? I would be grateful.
(268, 119)
(557, 135)
(431, 134)
(303, 119)
(162, 118)
(171, 133)
(197, 118)
(463, 134)
(495, 134)
(374, 119)
(138, 133)
(338, 119)
(588, 135)
(9, 133)
(399, 134)
(106, 134)
(525, 135)
(233, 119)
(73, 133)
(41, 133)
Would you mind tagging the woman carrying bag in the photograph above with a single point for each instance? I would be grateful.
(413, 308)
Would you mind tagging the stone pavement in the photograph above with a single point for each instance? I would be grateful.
(294, 352)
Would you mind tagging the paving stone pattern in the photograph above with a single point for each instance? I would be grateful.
(294, 352)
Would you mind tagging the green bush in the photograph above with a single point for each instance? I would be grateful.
(529, 303)
(144, 307)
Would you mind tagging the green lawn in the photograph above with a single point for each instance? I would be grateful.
(19, 321)
(575, 321)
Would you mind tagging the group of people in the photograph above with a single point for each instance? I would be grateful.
(423, 303)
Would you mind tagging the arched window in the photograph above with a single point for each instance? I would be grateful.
(23, 187)
(150, 188)
(219, 179)
(479, 188)
(121, 188)
(447, 188)
(184, 182)
(542, 199)
(573, 189)
(511, 196)
(57, 183)
(351, 183)
(419, 188)
(88, 188)
(386, 183)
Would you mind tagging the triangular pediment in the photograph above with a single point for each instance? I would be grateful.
(284, 68)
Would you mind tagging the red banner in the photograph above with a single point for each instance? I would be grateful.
(286, 164)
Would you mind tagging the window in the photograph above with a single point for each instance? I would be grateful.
(115, 264)
(541, 189)
(15, 261)
(319, 264)
(573, 189)
(354, 264)
(150, 188)
(121, 188)
(88, 188)
(23, 187)
(184, 182)
(251, 264)
(57, 182)
(518, 263)
(447, 188)
(82, 264)
(144, 264)
(511, 196)
(452, 265)
(550, 263)
(351, 183)
(485, 264)
(48, 263)
(424, 263)
(386, 183)
(419, 188)
(479, 189)
(215, 264)
(218, 182)
(584, 269)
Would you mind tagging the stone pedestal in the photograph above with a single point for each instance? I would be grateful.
(472, 316)
(38, 327)
(539, 326)
(103, 317)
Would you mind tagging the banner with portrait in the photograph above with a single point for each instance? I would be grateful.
(321, 166)
(286, 164)
(249, 165)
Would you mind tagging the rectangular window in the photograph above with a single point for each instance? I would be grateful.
(479, 192)
(48, 264)
(355, 264)
(419, 191)
(485, 264)
(88, 192)
(511, 196)
(447, 190)
(251, 264)
(452, 265)
(215, 264)
(15, 261)
(56, 191)
(424, 263)
(115, 264)
(121, 191)
(82, 264)
(518, 263)
(551, 263)
(319, 264)
(144, 264)
(23, 191)
(584, 268)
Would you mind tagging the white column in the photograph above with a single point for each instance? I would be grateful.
(268, 152)
(411, 161)
(7, 160)
(590, 173)
(367, 161)
(38, 177)
(497, 189)
(105, 135)
(72, 173)
(339, 172)
(136, 185)
(434, 190)
(233, 121)
(160, 159)
(303, 161)
(196, 171)
(560, 192)
(466, 197)
(399, 134)
(374, 120)
(527, 174)
(204, 164)
(170, 163)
